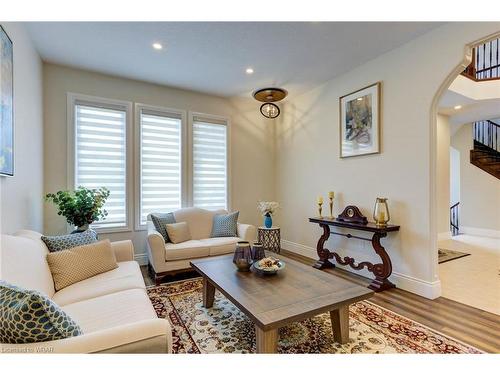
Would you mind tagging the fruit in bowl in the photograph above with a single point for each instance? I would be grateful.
(269, 265)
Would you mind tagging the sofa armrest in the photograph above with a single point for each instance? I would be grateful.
(247, 232)
(156, 247)
(105, 340)
(124, 250)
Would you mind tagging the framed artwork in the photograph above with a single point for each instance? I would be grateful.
(360, 122)
(6, 106)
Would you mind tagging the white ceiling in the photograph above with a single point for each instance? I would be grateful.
(212, 57)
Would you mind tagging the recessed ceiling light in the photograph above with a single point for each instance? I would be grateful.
(157, 46)
(359, 99)
(457, 107)
(249, 71)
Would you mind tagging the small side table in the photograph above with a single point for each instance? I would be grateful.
(270, 238)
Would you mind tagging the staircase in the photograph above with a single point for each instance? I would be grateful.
(485, 64)
(486, 152)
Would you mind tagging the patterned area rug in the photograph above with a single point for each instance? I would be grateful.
(225, 329)
(445, 255)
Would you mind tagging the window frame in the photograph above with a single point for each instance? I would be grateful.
(190, 172)
(162, 111)
(72, 100)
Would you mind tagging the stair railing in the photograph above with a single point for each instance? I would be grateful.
(487, 133)
(485, 64)
(454, 219)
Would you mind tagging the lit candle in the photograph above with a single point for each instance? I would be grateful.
(331, 195)
(320, 200)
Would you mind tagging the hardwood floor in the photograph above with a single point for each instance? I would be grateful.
(465, 323)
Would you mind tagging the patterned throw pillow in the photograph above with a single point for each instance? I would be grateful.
(160, 222)
(58, 243)
(81, 262)
(29, 316)
(225, 225)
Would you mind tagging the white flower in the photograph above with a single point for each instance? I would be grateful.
(268, 207)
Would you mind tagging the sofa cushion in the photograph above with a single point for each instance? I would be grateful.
(225, 225)
(178, 232)
(126, 276)
(186, 250)
(81, 262)
(111, 310)
(221, 245)
(198, 219)
(160, 222)
(58, 243)
(30, 316)
(24, 263)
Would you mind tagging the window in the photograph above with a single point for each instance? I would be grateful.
(160, 159)
(209, 162)
(99, 153)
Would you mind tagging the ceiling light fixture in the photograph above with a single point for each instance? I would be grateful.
(249, 71)
(457, 107)
(157, 46)
(269, 96)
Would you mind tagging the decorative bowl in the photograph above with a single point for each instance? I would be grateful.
(265, 271)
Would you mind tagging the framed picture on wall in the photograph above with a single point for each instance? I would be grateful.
(360, 122)
(6, 106)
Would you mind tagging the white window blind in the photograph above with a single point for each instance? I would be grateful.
(160, 160)
(100, 157)
(209, 163)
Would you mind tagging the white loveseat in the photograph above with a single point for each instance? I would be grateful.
(165, 258)
(112, 309)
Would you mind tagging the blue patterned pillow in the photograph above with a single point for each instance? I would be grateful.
(58, 243)
(160, 222)
(29, 316)
(225, 225)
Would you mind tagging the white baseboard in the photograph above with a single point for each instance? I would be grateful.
(480, 232)
(297, 248)
(444, 236)
(142, 259)
(411, 284)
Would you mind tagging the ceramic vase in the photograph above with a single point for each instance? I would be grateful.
(268, 221)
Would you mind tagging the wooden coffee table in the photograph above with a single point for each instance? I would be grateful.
(296, 293)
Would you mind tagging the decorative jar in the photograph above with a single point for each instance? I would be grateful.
(258, 252)
(243, 256)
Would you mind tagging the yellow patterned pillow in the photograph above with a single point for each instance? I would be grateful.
(79, 263)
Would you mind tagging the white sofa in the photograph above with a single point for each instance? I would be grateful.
(165, 258)
(112, 309)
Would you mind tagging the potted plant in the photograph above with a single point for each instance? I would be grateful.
(81, 207)
(267, 209)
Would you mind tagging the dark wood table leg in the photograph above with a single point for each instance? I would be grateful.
(323, 254)
(340, 324)
(383, 270)
(267, 341)
(208, 293)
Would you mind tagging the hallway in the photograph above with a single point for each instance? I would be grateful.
(473, 280)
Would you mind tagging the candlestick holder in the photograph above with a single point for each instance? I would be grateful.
(331, 207)
(320, 209)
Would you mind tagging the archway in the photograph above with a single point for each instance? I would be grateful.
(433, 168)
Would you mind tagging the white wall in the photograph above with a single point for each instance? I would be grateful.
(443, 175)
(252, 137)
(479, 191)
(308, 163)
(21, 195)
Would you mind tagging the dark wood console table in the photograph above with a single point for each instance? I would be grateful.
(382, 271)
